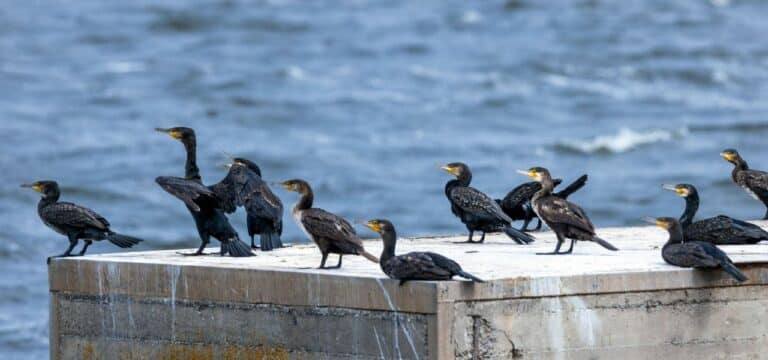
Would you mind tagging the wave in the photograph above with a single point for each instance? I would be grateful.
(623, 141)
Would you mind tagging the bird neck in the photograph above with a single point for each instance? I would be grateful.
(306, 200)
(192, 172)
(390, 241)
(675, 235)
(465, 178)
(691, 206)
(546, 188)
(48, 199)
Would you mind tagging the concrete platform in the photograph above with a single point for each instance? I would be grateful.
(594, 304)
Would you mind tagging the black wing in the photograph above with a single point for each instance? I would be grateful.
(71, 215)
(416, 266)
(557, 210)
(572, 188)
(321, 223)
(725, 230)
(192, 193)
(477, 203)
(757, 182)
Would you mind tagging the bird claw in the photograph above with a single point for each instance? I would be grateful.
(196, 254)
(551, 253)
(466, 242)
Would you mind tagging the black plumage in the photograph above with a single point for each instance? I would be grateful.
(477, 210)
(679, 251)
(566, 219)
(754, 182)
(74, 221)
(207, 204)
(330, 232)
(517, 203)
(413, 265)
(720, 229)
(245, 187)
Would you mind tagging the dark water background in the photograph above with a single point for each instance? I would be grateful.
(362, 99)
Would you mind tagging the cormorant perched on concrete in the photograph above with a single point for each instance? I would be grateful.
(517, 203)
(413, 265)
(477, 210)
(204, 203)
(331, 233)
(754, 182)
(566, 219)
(74, 221)
(690, 253)
(264, 209)
(720, 229)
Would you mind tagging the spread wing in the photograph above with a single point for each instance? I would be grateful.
(321, 223)
(558, 210)
(477, 203)
(68, 214)
(192, 193)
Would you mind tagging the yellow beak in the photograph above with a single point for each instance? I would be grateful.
(373, 225)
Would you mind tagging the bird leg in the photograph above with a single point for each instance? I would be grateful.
(766, 213)
(322, 262)
(200, 250)
(560, 241)
(570, 248)
(253, 244)
(469, 240)
(526, 221)
(482, 238)
(338, 266)
(85, 247)
(72, 244)
(402, 282)
(538, 225)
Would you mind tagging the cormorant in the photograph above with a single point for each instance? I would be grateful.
(754, 182)
(477, 210)
(696, 254)
(566, 219)
(74, 221)
(720, 229)
(264, 209)
(331, 233)
(517, 203)
(206, 204)
(414, 265)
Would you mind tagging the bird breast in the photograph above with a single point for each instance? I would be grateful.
(297, 214)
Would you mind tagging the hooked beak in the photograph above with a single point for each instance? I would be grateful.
(669, 187)
(287, 186)
(649, 220)
(35, 187)
(172, 133)
(727, 156)
(681, 191)
(450, 170)
(373, 225)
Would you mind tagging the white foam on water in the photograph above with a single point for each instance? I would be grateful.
(624, 140)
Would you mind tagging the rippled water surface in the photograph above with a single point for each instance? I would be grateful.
(362, 99)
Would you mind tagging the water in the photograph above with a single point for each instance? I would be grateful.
(362, 99)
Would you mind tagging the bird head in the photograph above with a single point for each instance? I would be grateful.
(455, 168)
(730, 155)
(44, 187)
(536, 173)
(179, 133)
(379, 225)
(682, 190)
(662, 222)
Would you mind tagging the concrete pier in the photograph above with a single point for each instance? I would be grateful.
(594, 304)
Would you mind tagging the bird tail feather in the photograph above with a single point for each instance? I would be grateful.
(732, 270)
(270, 240)
(469, 276)
(369, 256)
(604, 244)
(518, 236)
(123, 241)
(236, 248)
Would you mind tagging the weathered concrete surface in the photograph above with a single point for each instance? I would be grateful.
(594, 304)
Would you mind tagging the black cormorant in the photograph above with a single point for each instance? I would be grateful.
(204, 203)
(517, 203)
(477, 210)
(264, 209)
(413, 265)
(74, 221)
(331, 233)
(696, 254)
(566, 219)
(720, 229)
(754, 182)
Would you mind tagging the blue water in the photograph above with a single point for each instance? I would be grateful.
(362, 99)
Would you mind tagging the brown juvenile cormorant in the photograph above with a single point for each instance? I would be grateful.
(720, 229)
(696, 254)
(204, 203)
(414, 265)
(331, 233)
(264, 209)
(477, 210)
(74, 221)
(517, 203)
(754, 182)
(565, 218)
